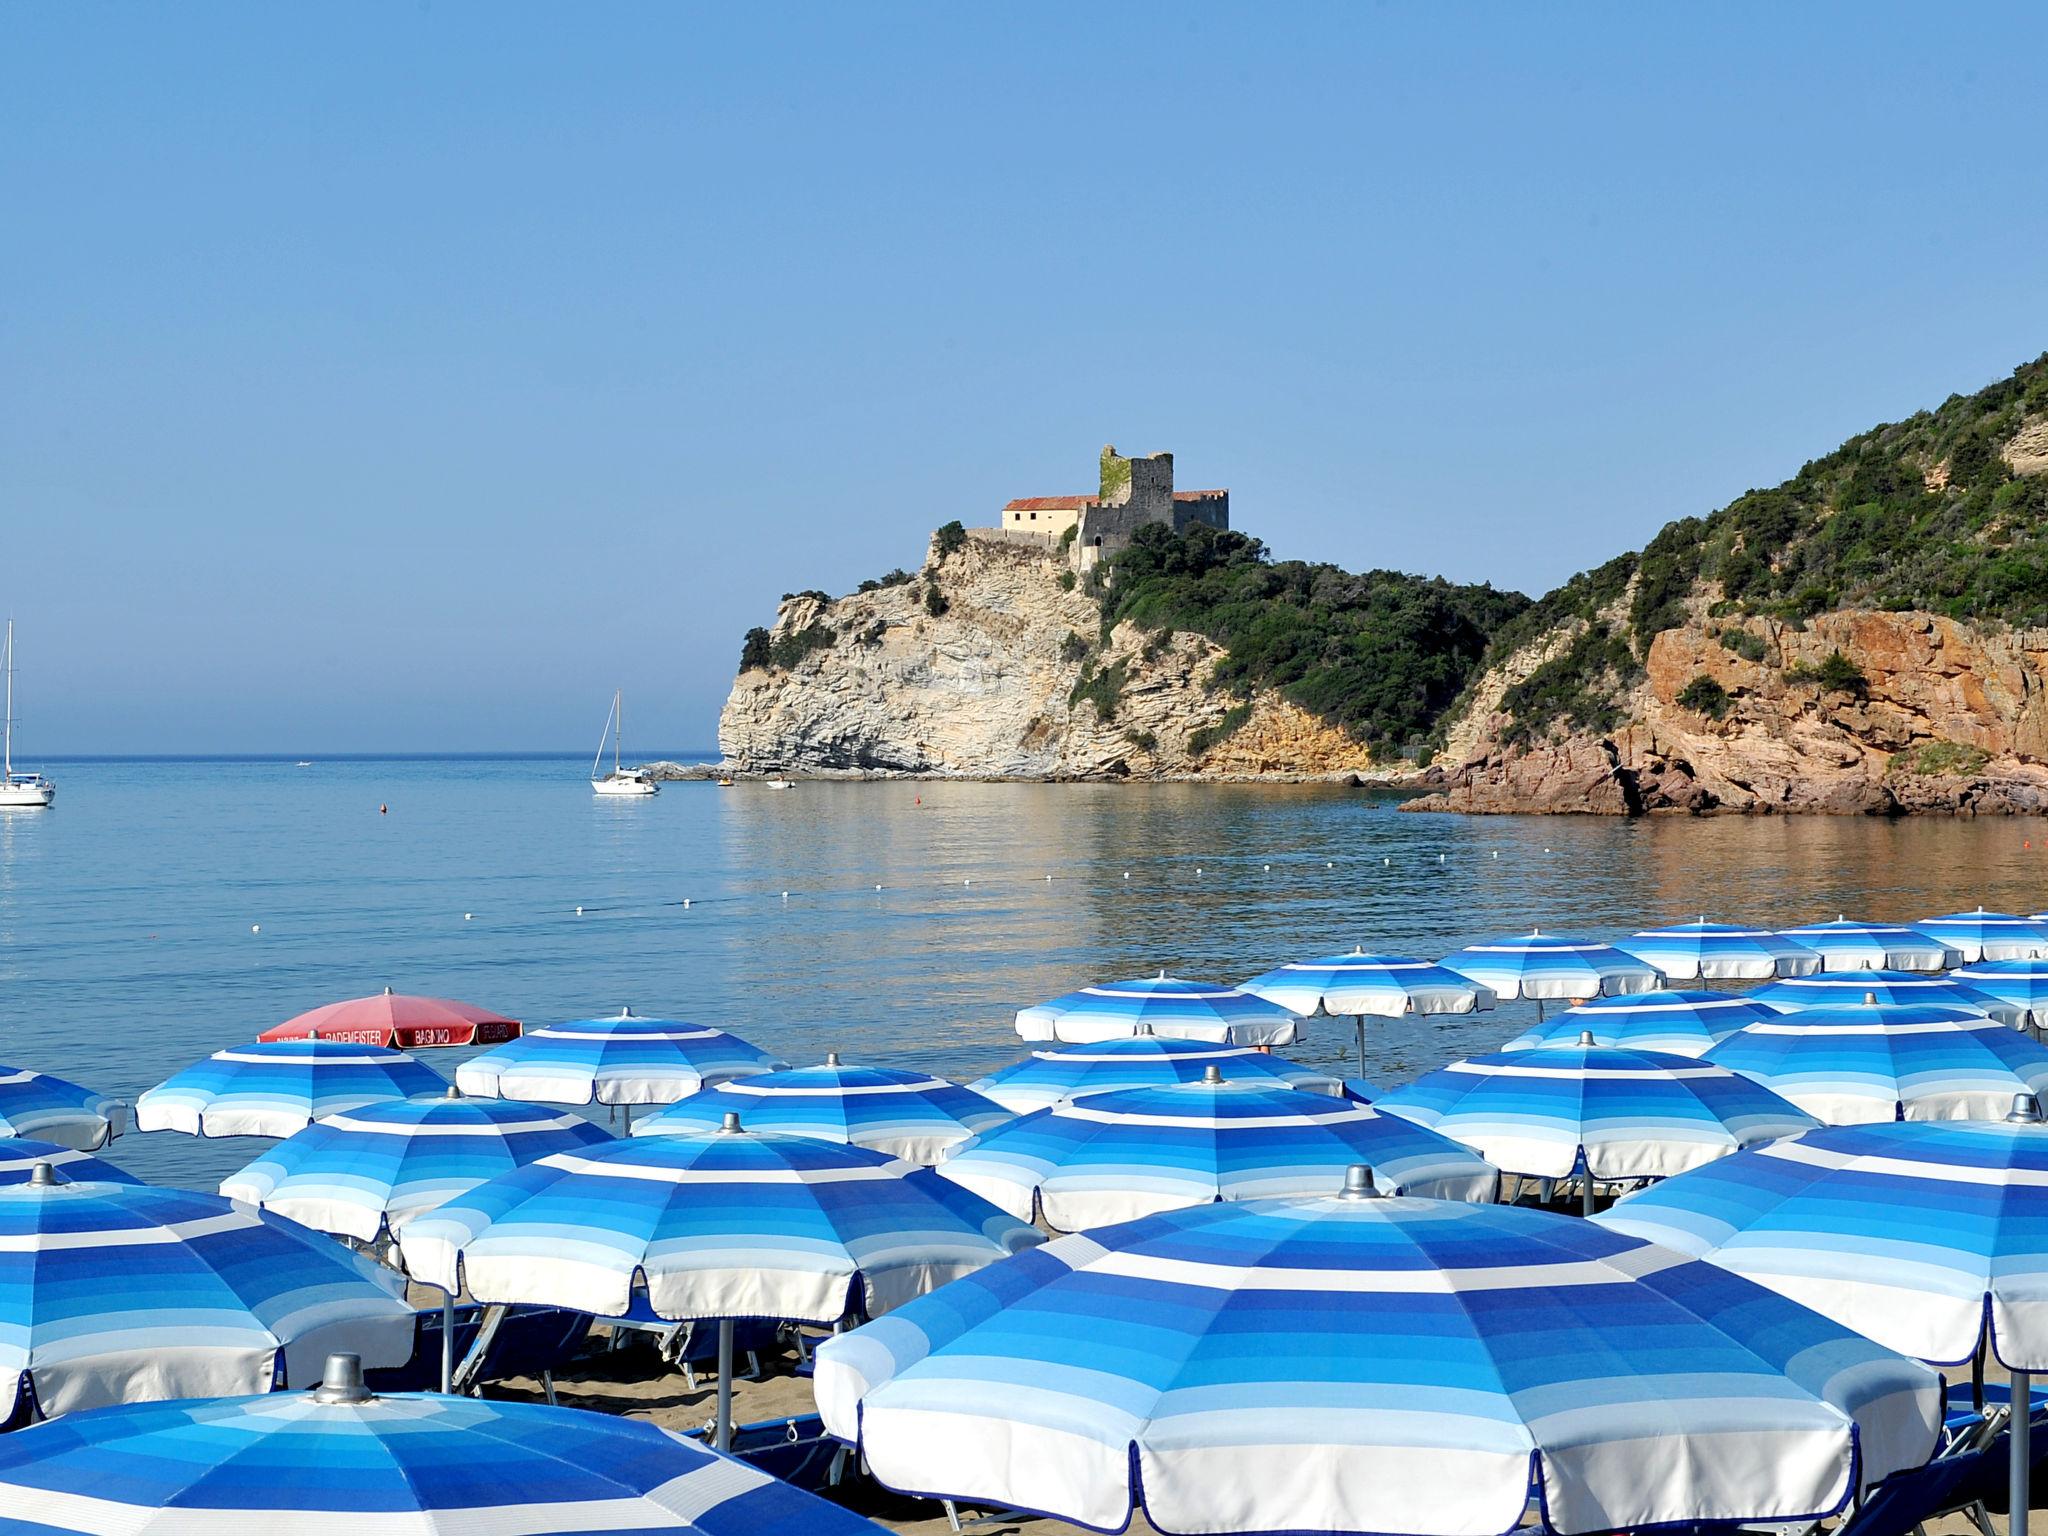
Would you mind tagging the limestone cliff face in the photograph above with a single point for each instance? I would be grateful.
(1947, 717)
(986, 688)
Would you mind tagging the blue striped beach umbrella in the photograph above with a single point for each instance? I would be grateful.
(712, 1225)
(1902, 988)
(1675, 1023)
(19, 1156)
(1879, 1061)
(911, 1115)
(1926, 1237)
(1705, 951)
(1118, 1156)
(1544, 965)
(51, 1109)
(278, 1087)
(369, 1171)
(1354, 1363)
(1844, 945)
(341, 1459)
(1062, 1072)
(1356, 985)
(626, 1060)
(1160, 1005)
(1597, 1110)
(1982, 935)
(2022, 984)
(123, 1292)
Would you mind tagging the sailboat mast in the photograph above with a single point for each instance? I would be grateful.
(619, 735)
(7, 746)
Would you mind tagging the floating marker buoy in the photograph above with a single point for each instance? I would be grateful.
(1386, 861)
(579, 911)
(878, 887)
(785, 895)
(1198, 869)
(967, 882)
(1439, 858)
(255, 927)
(383, 810)
(1496, 853)
(686, 903)
(1267, 868)
(467, 916)
(1327, 864)
(1127, 874)
(1048, 879)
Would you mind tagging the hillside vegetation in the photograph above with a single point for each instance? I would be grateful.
(1920, 514)
(1380, 654)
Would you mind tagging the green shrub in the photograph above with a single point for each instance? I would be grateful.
(754, 649)
(1746, 643)
(935, 602)
(1837, 674)
(1073, 648)
(1067, 535)
(872, 635)
(812, 592)
(787, 650)
(1577, 686)
(1942, 757)
(1204, 737)
(1144, 741)
(1704, 696)
(895, 578)
(950, 538)
(1066, 581)
(1104, 688)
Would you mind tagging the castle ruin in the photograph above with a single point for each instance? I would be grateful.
(1132, 492)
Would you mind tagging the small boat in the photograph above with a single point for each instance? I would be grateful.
(781, 784)
(18, 791)
(725, 783)
(621, 782)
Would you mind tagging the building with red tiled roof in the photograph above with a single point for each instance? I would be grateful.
(1135, 491)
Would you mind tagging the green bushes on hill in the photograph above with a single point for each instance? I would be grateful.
(1380, 654)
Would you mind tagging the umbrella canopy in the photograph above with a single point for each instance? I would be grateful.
(1851, 946)
(911, 1115)
(2021, 984)
(1160, 1005)
(277, 1088)
(1358, 984)
(1373, 1364)
(1834, 990)
(1676, 1023)
(123, 1292)
(1118, 1156)
(19, 1156)
(1879, 1061)
(369, 1171)
(622, 1060)
(300, 1463)
(1920, 1235)
(1062, 1072)
(1720, 952)
(398, 1020)
(1982, 935)
(1540, 965)
(720, 1224)
(51, 1109)
(1615, 1114)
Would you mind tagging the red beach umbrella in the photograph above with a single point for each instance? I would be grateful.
(398, 1020)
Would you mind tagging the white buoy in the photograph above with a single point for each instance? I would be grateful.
(1048, 879)
(1386, 861)
(1267, 868)
(1327, 864)
(1198, 871)
(1496, 853)
(967, 882)
(785, 895)
(686, 903)
(878, 887)
(255, 927)
(1439, 858)
(1127, 874)
(579, 911)
(467, 916)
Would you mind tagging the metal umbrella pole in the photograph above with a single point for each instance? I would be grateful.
(2021, 1437)
(721, 1423)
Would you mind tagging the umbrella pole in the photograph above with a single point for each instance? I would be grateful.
(721, 1424)
(2022, 1450)
(1539, 1010)
(1359, 1020)
(447, 1341)
(1586, 1195)
(629, 1118)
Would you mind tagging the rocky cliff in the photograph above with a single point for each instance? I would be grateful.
(990, 663)
(1870, 637)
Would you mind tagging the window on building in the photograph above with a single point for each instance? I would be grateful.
(1034, 517)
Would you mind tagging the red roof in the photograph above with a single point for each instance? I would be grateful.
(1048, 503)
(1198, 495)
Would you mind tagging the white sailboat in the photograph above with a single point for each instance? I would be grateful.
(18, 790)
(621, 780)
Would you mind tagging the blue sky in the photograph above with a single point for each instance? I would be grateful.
(407, 377)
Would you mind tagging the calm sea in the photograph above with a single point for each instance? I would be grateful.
(917, 917)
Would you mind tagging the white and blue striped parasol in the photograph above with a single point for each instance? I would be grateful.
(341, 1459)
(1356, 985)
(1610, 1113)
(911, 1115)
(2021, 984)
(48, 1108)
(1900, 988)
(1877, 1061)
(1982, 935)
(122, 1292)
(1117, 1156)
(277, 1087)
(1545, 965)
(1160, 1005)
(1373, 1364)
(1704, 951)
(1677, 1023)
(1845, 945)
(1062, 1072)
(20, 1155)
(369, 1171)
(624, 1060)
